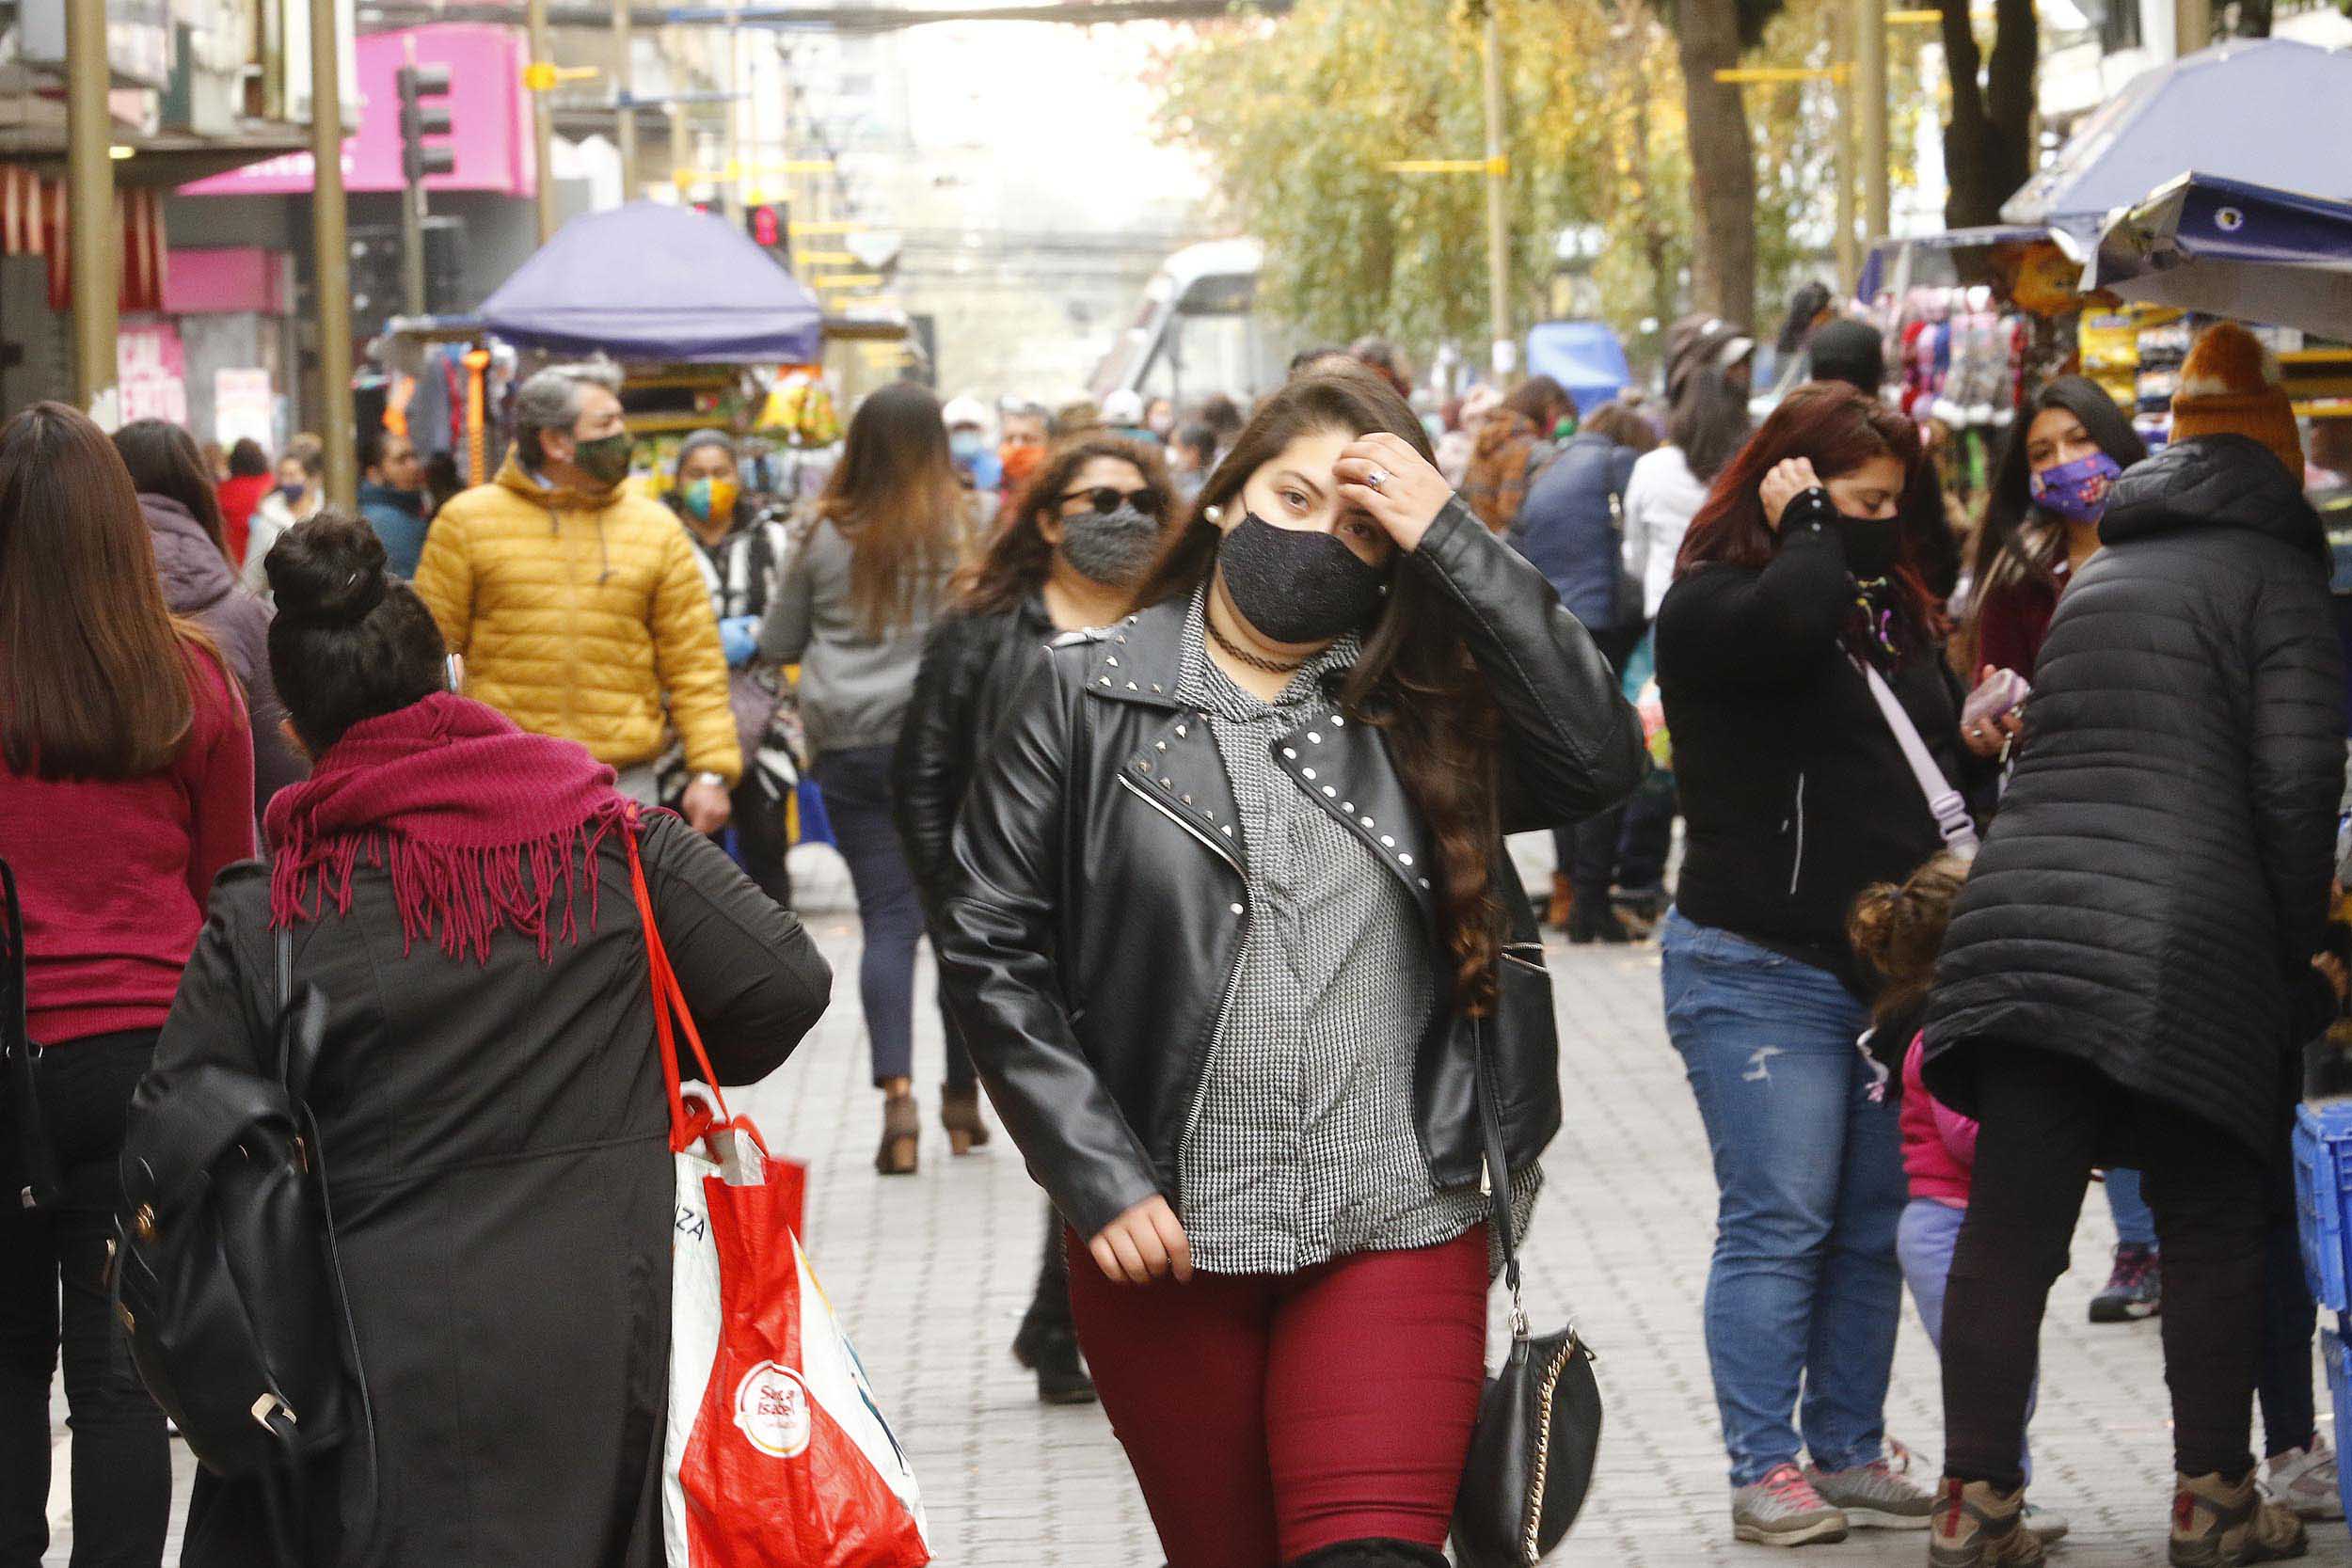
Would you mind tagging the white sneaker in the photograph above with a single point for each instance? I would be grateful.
(2046, 1525)
(2305, 1480)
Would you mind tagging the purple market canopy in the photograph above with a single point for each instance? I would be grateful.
(654, 282)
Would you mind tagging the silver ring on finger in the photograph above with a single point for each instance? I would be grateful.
(1377, 478)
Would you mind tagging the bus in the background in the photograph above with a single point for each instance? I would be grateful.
(1197, 330)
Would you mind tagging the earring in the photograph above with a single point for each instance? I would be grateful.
(1215, 513)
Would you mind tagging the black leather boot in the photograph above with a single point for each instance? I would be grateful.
(1047, 1343)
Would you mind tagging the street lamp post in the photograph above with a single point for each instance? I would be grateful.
(1504, 349)
(623, 78)
(1869, 86)
(95, 248)
(542, 116)
(331, 248)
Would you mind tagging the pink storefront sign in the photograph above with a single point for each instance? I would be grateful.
(489, 110)
(227, 279)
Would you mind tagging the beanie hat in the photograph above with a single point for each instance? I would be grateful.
(708, 437)
(1850, 350)
(2231, 386)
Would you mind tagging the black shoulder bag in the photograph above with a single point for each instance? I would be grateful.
(1530, 1458)
(34, 1177)
(227, 1278)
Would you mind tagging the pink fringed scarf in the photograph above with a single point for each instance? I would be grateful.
(481, 824)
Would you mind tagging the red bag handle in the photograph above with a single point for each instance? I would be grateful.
(669, 1000)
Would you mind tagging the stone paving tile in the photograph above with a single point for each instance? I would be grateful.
(931, 1274)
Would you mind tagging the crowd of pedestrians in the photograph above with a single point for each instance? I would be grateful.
(1190, 738)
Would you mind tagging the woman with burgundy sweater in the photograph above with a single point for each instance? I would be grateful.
(126, 784)
(489, 1094)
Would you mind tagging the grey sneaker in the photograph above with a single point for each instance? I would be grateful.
(1784, 1509)
(1878, 1496)
(2305, 1480)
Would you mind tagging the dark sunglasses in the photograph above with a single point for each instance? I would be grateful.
(1108, 498)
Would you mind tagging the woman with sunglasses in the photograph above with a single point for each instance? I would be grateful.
(1231, 932)
(1068, 557)
(866, 574)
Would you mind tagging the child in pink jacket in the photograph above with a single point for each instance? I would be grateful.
(1899, 929)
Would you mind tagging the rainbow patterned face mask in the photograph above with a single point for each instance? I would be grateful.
(2077, 491)
(707, 499)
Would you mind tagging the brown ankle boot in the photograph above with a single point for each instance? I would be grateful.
(2216, 1524)
(903, 1129)
(1563, 900)
(960, 1113)
(1976, 1526)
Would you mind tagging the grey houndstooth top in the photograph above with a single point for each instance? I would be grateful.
(1301, 1145)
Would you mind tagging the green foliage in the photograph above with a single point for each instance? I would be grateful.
(1298, 120)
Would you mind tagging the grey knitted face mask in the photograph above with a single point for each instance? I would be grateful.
(1111, 547)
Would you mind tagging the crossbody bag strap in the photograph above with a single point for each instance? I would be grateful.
(1944, 802)
(1498, 1174)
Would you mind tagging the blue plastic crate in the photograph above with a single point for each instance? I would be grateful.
(2323, 1192)
(2332, 1349)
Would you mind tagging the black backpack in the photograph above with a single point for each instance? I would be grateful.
(226, 1274)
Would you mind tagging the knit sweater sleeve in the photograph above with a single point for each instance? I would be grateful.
(217, 767)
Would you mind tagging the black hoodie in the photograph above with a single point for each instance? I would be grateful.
(2152, 890)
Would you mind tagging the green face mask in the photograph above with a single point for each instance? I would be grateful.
(606, 458)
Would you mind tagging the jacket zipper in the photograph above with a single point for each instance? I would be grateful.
(1796, 868)
(1233, 972)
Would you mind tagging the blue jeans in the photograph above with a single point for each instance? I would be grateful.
(2135, 1222)
(1804, 1295)
(856, 786)
(1930, 1231)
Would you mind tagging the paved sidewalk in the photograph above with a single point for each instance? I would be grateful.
(932, 1274)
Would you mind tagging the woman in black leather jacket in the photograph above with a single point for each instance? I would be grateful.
(1233, 938)
(1068, 556)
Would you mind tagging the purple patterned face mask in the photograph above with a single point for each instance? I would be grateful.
(2077, 491)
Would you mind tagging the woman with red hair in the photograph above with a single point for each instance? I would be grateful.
(1794, 608)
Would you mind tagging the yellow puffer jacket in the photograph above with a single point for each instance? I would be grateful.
(578, 614)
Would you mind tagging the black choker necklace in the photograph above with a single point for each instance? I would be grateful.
(1270, 666)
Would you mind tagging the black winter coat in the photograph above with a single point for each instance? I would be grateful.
(497, 1144)
(1797, 795)
(970, 664)
(2153, 889)
(1098, 904)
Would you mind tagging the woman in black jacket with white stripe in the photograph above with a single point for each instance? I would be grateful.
(1068, 556)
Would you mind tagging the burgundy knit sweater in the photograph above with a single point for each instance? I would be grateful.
(114, 873)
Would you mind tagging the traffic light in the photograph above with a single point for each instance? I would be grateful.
(419, 158)
(769, 225)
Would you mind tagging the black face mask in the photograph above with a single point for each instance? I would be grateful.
(1297, 585)
(1873, 546)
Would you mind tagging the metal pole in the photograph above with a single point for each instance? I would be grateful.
(732, 196)
(1870, 73)
(1505, 351)
(411, 224)
(542, 127)
(1849, 251)
(331, 253)
(624, 83)
(2192, 24)
(95, 251)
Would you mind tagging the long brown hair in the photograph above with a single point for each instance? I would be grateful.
(1018, 558)
(93, 669)
(895, 498)
(1415, 680)
(165, 460)
(1838, 430)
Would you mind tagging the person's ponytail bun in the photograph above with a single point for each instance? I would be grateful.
(327, 571)
(349, 642)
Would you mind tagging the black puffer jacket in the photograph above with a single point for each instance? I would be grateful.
(1099, 902)
(970, 666)
(2154, 886)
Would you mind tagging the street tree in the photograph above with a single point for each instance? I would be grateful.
(1988, 141)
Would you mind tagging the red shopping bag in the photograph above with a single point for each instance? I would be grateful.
(778, 1454)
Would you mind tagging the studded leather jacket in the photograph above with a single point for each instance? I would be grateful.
(1088, 932)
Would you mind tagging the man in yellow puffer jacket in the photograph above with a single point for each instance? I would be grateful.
(576, 606)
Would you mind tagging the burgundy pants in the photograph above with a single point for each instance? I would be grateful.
(1267, 1415)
